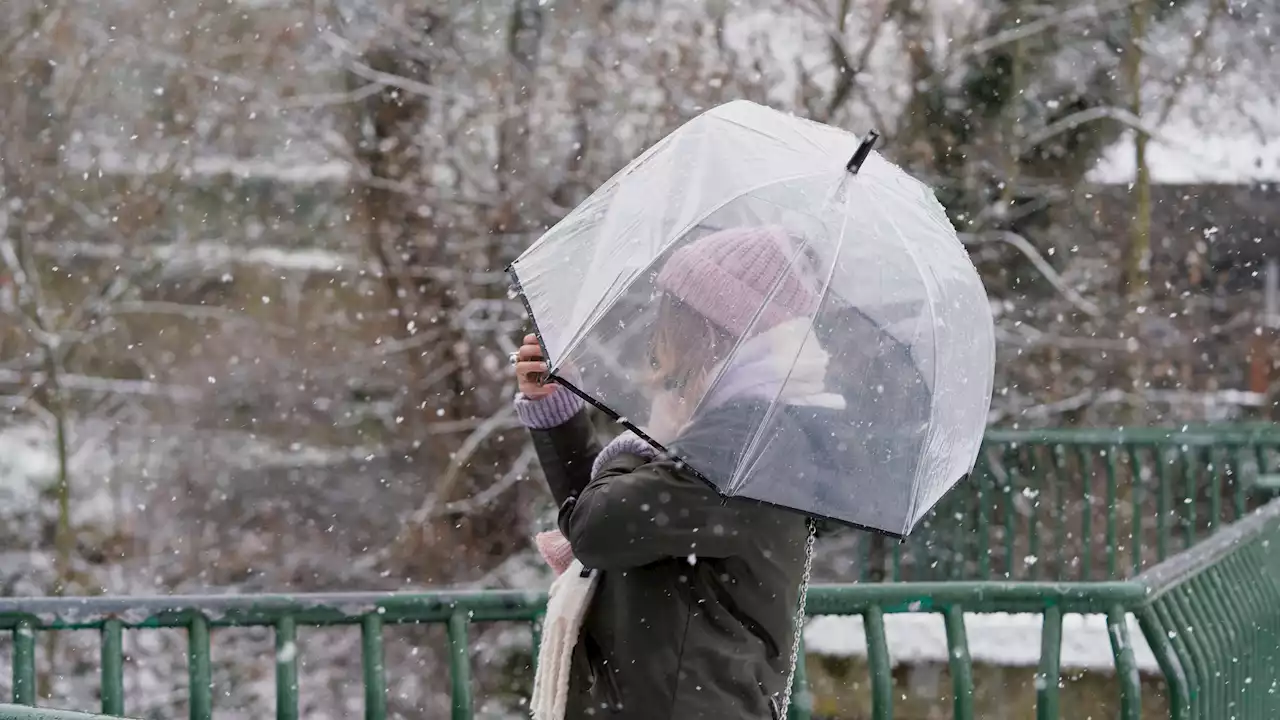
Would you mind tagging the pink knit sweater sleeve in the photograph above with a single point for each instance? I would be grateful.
(551, 411)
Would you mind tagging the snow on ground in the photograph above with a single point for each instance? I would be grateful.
(29, 468)
(210, 255)
(28, 460)
(27, 465)
(300, 162)
(1009, 640)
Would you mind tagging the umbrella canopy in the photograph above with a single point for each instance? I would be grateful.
(799, 328)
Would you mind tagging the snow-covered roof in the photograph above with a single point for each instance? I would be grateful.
(1222, 129)
(1187, 155)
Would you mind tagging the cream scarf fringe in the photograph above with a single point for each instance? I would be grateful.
(566, 610)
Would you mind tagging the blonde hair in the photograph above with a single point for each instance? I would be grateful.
(686, 346)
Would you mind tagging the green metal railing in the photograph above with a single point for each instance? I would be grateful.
(1210, 614)
(18, 712)
(1083, 504)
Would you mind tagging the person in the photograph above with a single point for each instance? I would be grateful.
(672, 602)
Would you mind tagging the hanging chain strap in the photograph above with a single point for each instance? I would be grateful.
(799, 619)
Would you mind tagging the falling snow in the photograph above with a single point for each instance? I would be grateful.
(254, 318)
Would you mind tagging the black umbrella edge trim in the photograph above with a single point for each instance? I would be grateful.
(528, 310)
(963, 478)
(519, 288)
(524, 299)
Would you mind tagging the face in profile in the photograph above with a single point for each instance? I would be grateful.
(686, 348)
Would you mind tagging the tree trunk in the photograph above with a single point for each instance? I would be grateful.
(1137, 264)
(1138, 260)
(404, 242)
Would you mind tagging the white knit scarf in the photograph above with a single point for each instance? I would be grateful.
(566, 610)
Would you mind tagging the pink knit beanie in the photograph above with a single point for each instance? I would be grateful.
(727, 276)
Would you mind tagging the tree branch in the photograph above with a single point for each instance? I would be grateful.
(1199, 42)
(1075, 120)
(1027, 336)
(473, 504)
(223, 315)
(383, 79)
(1086, 11)
(1029, 250)
(503, 419)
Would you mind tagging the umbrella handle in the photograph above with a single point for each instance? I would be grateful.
(860, 155)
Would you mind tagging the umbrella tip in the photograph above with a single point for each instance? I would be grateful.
(860, 155)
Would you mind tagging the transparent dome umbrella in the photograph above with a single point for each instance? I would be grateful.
(852, 385)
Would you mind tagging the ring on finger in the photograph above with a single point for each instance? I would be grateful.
(513, 358)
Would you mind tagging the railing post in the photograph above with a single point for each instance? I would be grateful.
(1048, 676)
(112, 662)
(1268, 593)
(1219, 607)
(1112, 544)
(1059, 502)
(1238, 482)
(373, 664)
(460, 665)
(24, 663)
(1189, 495)
(1037, 482)
(1135, 514)
(960, 662)
(1158, 638)
(286, 669)
(1126, 665)
(1239, 595)
(878, 663)
(1195, 654)
(1163, 503)
(200, 676)
(1215, 491)
(1269, 596)
(1086, 514)
(982, 480)
(1010, 521)
(1212, 649)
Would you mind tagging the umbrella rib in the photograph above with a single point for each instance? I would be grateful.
(902, 195)
(933, 328)
(608, 303)
(615, 180)
(773, 405)
(775, 138)
(733, 352)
